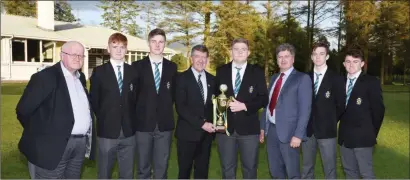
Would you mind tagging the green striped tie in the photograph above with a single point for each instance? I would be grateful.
(157, 77)
(349, 89)
(316, 85)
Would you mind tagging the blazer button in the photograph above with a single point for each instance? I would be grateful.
(72, 122)
(66, 139)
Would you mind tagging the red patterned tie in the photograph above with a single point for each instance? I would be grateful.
(275, 94)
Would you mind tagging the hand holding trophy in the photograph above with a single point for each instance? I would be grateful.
(220, 107)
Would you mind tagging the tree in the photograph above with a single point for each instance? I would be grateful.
(120, 16)
(180, 60)
(180, 21)
(391, 31)
(360, 15)
(20, 8)
(149, 14)
(233, 20)
(62, 11)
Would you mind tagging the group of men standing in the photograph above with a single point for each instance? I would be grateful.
(132, 107)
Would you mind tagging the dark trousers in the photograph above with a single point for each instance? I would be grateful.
(122, 149)
(248, 146)
(153, 148)
(283, 159)
(70, 164)
(194, 153)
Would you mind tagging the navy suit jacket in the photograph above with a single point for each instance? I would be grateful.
(292, 110)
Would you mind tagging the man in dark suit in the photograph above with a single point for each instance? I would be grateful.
(113, 97)
(193, 100)
(55, 114)
(327, 105)
(285, 119)
(246, 83)
(362, 119)
(155, 113)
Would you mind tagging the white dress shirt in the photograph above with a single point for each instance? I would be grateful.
(284, 78)
(356, 75)
(152, 60)
(115, 64)
(323, 71)
(234, 71)
(203, 80)
(79, 102)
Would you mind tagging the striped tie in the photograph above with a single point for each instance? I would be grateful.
(349, 89)
(237, 80)
(316, 85)
(119, 78)
(201, 88)
(157, 77)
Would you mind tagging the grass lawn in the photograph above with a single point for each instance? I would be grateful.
(391, 154)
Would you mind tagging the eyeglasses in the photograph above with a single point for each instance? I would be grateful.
(74, 55)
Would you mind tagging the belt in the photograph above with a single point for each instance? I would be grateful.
(78, 135)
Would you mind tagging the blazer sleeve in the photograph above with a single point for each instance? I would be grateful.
(261, 99)
(182, 107)
(94, 91)
(34, 94)
(340, 95)
(374, 92)
(303, 106)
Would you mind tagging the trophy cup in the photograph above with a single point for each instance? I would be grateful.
(220, 107)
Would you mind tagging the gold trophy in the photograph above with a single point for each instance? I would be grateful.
(220, 107)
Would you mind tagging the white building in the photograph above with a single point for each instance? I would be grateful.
(28, 44)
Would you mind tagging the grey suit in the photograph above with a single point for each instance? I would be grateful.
(292, 112)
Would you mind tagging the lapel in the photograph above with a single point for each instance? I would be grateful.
(147, 66)
(165, 72)
(326, 81)
(194, 81)
(210, 85)
(112, 77)
(229, 76)
(273, 79)
(245, 80)
(126, 78)
(287, 83)
(63, 84)
(357, 85)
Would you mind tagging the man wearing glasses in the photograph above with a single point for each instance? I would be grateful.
(246, 83)
(55, 114)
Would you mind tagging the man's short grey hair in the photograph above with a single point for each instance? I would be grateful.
(285, 47)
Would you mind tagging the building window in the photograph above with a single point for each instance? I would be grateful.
(18, 50)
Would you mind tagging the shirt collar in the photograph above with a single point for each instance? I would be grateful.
(196, 73)
(356, 75)
(287, 72)
(67, 73)
(153, 60)
(117, 62)
(243, 66)
(323, 71)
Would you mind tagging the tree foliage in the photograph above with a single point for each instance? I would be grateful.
(62, 10)
(121, 16)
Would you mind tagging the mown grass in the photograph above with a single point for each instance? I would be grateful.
(391, 155)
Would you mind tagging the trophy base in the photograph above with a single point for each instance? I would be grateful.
(220, 129)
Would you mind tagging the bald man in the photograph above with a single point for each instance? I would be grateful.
(55, 114)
